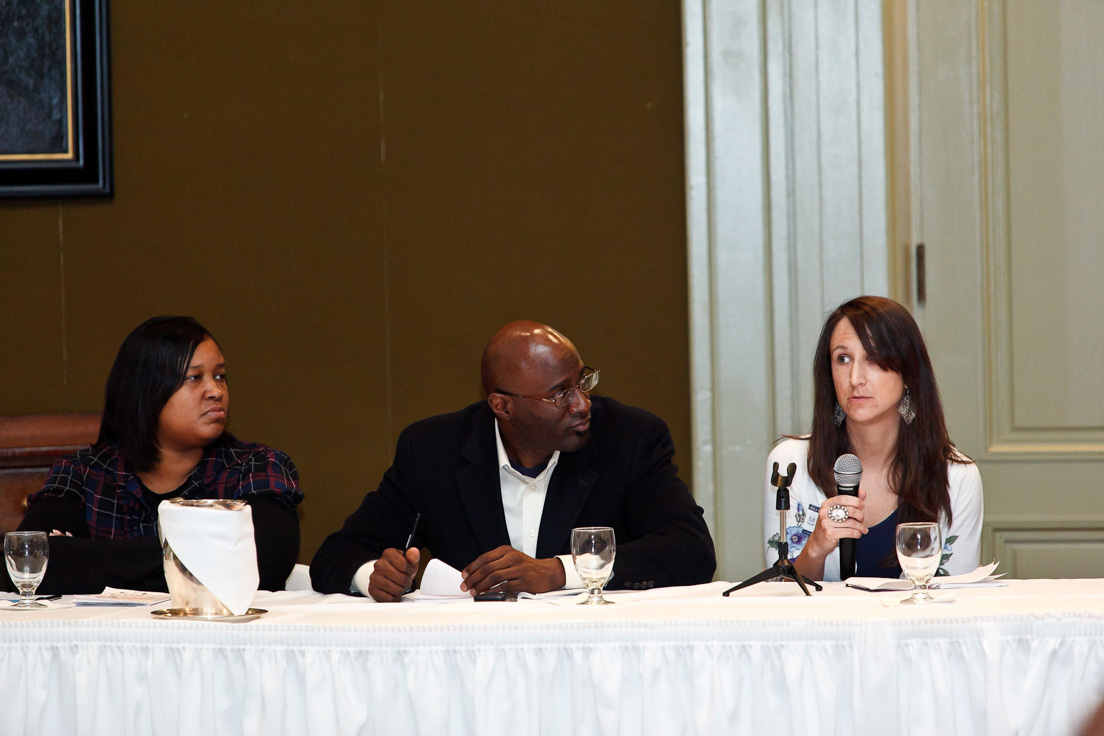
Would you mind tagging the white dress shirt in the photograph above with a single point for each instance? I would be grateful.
(523, 503)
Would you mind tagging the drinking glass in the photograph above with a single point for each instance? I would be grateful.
(592, 550)
(26, 554)
(919, 550)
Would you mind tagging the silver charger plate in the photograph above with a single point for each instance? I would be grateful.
(194, 614)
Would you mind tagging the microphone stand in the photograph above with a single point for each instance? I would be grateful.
(783, 569)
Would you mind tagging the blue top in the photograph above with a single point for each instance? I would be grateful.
(876, 548)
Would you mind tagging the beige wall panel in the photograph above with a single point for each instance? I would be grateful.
(1049, 552)
(1056, 213)
(1006, 199)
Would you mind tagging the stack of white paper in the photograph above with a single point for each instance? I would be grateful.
(982, 577)
(120, 597)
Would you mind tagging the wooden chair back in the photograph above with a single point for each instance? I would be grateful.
(29, 444)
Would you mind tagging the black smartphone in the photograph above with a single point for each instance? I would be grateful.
(495, 595)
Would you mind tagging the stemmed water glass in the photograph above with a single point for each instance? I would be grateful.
(593, 549)
(919, 550)
(26, 555)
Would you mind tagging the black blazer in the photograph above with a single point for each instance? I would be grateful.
(446, 468)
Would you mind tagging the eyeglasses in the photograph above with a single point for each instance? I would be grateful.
(564, 398)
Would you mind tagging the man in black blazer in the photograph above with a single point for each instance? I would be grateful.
(500, 484)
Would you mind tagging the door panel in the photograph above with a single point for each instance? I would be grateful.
(1009, 201)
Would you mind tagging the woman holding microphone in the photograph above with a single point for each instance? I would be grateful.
(875, 397)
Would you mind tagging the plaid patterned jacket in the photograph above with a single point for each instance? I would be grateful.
(113, 496)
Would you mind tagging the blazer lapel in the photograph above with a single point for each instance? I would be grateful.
(572, 482)
(479, 486)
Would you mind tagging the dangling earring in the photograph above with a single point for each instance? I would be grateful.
(838, 415)
(907, 412)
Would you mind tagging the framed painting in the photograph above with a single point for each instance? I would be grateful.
(55, 104)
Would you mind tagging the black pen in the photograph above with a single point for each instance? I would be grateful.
(410, 539)
(54, 597)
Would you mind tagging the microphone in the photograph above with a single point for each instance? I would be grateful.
(848, 471)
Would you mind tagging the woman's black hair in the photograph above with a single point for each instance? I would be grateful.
(149, 368)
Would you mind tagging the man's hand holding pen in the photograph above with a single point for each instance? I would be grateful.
(394, 572)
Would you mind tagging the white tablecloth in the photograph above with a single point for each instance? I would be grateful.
(1024, 659)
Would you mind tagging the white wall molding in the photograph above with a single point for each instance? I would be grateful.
(787, 217)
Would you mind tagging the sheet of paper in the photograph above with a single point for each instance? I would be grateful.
(976, 576)
(418, 597)
(562, 593)
(981, 577)
(876, 585)
(120, 597)
(990, 582)
(441, 581)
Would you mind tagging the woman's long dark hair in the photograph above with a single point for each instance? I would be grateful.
(149, 368)
(892, 341)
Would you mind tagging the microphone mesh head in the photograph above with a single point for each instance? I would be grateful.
(848, 470)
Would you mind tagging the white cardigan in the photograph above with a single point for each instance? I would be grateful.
(961, 541)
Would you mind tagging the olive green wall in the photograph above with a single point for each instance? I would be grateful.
(352, 197)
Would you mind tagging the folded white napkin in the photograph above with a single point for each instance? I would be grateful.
(217, 546)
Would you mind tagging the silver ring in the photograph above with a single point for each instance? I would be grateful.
(838, 514)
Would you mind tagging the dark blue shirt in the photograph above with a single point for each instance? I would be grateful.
(876, 548)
